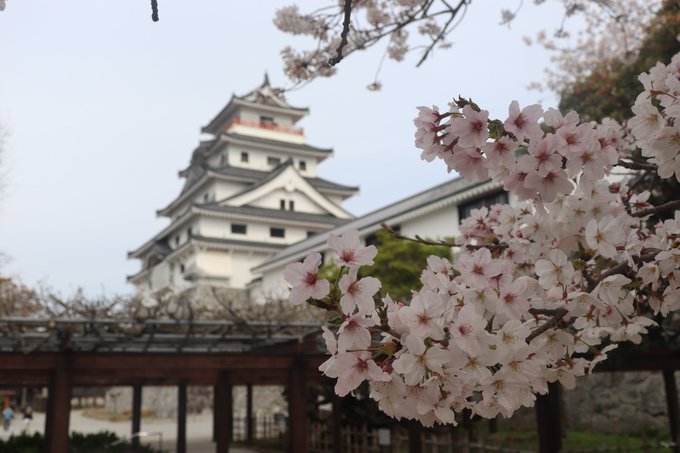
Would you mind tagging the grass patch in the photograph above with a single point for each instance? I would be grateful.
(574, 440)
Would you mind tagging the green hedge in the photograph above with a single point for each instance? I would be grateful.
(102, 442)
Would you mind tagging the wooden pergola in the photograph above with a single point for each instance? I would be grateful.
(61, 355)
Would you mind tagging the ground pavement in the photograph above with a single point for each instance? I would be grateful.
(162, 432)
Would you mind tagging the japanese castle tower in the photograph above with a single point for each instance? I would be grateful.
(249, 191)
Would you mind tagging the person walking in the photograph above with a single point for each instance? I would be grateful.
(27, 418)
(7, 416)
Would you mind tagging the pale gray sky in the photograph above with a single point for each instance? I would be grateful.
(103, 107)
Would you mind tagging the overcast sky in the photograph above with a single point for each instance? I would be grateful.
(103, 107)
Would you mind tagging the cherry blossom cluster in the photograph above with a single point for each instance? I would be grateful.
(613, 30)
(541, 290)
(656, 124)
(518, 152)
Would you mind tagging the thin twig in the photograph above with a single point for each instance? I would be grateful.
(343, 36)
(443, 31)
(440, 242)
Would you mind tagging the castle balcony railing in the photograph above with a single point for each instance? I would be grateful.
(265, 125)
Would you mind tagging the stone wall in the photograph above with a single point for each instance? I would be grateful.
(621, 402)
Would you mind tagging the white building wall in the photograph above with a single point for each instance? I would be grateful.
(302, 203)
(436, 224)
(215, 227)
(226, 189)
(215, 263)
(243, 261)
(258, 159)
(159, 276)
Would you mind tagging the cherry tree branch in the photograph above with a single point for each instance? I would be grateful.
(556, 316)
(343, 36)
(443, 32)
(637, 165)
(671, 205)
(154, 10)
(440, 242)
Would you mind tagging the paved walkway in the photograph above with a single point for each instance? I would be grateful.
(162, 432)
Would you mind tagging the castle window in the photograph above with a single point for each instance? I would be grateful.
(206, 197)
(302, 165)
(465, 209)
(223, 159)
(244, 157)
(181, 268)
(177, 240)
(282, 205)
(189, 233)
(267, 121)
(273, 161)
(277, 232)
(238, 228)
(291, 205)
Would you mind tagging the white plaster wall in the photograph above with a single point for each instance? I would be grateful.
(226, 189)
(255, 231)
(214, 263)
(437, 224)
(257, 159)
(272, 200)
(183, 234)
(242, 263)
(159, 276)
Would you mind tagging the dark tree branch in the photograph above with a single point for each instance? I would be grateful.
(343, 36)
(441, 34)
(636, 165)
(557, 315)
(675, 204)
(154, 10)
(442, 243)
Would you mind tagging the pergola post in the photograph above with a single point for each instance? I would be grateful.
(672, 405)
(214, 408)
(182, 417)
(337, 423)
(548, 419)
(415, 437)
(249, 414)
(136, 414)
(222, 416)
(297, 408)
(59, 406)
